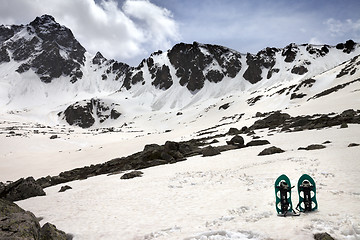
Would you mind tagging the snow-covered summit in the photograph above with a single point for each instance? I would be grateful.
(43, 66)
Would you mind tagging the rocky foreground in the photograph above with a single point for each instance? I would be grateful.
(18, 224)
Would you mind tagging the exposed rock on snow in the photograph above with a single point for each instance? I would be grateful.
(237, 141)
(21, 189)
(312, 147)
(270, 151)
(300, 123)
(152, 155)
(65, 188)
(273, 120)
(16, 223)
(192, 62)
(353, 145)
(323, 236)
(234, 131)
(85, 113)
(45, 47)
(132, 174)
(257, 142)
(210, 151)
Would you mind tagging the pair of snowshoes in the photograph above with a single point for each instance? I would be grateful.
(307, 195)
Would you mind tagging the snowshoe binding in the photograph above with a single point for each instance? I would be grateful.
(284, 205)
(307, 194)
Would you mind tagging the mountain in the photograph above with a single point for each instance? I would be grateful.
(196, 120)
(45, 70)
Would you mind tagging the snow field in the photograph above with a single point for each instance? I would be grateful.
(228, 196)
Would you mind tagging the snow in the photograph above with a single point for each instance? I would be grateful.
(229, 196)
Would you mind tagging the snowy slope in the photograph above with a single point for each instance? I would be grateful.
(227, 196)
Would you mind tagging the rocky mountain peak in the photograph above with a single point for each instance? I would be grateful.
(45, 47)
(44, 20)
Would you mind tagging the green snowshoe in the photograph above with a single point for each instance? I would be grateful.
(284, 205)
(307, 194)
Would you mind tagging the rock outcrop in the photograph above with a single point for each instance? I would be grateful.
(21, 189)
(16, 223)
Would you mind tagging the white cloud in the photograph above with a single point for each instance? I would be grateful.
(125, 32)
(340, 28)
(315, 41)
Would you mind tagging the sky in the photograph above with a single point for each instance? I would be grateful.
(130, 30)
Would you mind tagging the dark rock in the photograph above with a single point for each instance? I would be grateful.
(132, 174)
(224, 106)
(84, 113)
(170, 145)
(179, 114)
(18, 224)
(334, 89)
(162, 77)
(273, 120)
(53, 136)
(22, 189)
(350, 67)
(271, 150)
(327, 142)
(312, 147)
(295, 95)
(50, 232)
(98, 59)
(45, 49)
(252, 101)
(344, 125)
(233, 131)
(289, 52)
(300, 70)
(271, 72)
(353, 145)
(257, 143)
(190, 62)
(237, 141)
(210, 151)
(114, 114)
(348, 113)
(264, 59)
(323, 236)
(65, 188)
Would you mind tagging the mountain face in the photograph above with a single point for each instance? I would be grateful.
(44, 46)
(63, 74)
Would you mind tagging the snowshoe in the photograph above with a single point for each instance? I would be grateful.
(284, 205)
(307, 194)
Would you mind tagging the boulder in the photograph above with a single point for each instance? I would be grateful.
(273, 120)
(323, 236)
(210, 151)
(233, 131)
(257, 143)
(237, 141)
(271, 150)
(65, 188)
(312, 147)
(22, 189)
(18, 224)
(53, 136)
(132, 174)
(353, 145)
(49, 231)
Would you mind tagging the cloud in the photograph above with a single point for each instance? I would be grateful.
(342, 27)
(125, 32)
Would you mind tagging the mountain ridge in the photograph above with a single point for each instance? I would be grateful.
(42, 63)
